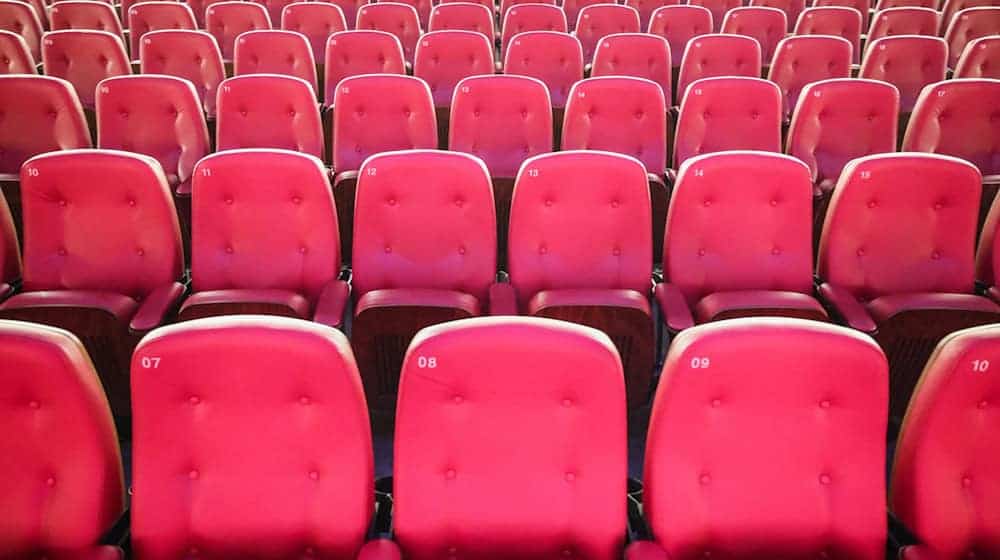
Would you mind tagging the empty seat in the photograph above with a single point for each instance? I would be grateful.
(988, 255)
(506, 5)
(471, 429)
(192, 55)
(10, 252)
(264, 206)
(15, 58)
(579, 251)
(805, 59)
(227, 20)
(711, 56)
(554, 58)
(20, 18)
(102, 254)
(84, 58)
(903, 21)
(154, 16)
(646, 9)
(271, 405)
(678, 25)
(531, 17)
(908, 62)
(766, 25)
(980, 59)
(833, 20)
(722, 114)
(423, 8)
(274, 9)
(399, 19)
(275, 52)
(85, 15)
(862, 6)
(889, 4)
(353, 53)
(601, 20)
(792, 9)
(269, 111)
(572, 9)
(952, 7)
(62, 486)
(424, 253)
(968, 25)
(445, 57)
(640, 55)
(896, 257)
(317, 21)
(780, 453)
(463, 16)
(719, 8)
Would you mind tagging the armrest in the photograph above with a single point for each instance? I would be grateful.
(673, 308)
(824, 187)
(671, 176)
(503, 299)
(6, 290)
(381, 549)
(993, 293)
(117, 534)
(645, 550)
(900, 539)
(657, 179)
(344, 176)
(157, 306)
(847, 307)
(331, 303)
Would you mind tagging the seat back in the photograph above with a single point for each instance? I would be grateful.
(269, 111)
(980, 59)
(618, 114)
(955, 117)
(889, 4)
(62, 486)
(721, 114)
(354, 53)
(399, 19)
(572, 9)
(84, 15)
(98, 220)
(131, 117)
(154, 16)
(901, 223)
(945, 455)
(508, 4)
(424, 219)
(862, 6)
(909, 62)
(230, 19)
(275, 52)
(423, 8)
(84, 58)
(968, 25)
(15, 58)
(952, 7)
(554, 58)
(21, 18)
(381, 113)
(263, 206)
(781, 453)
(859, 118)
(10, 252)
(531, 17)
(317, 21)
(678, 25)
(706, 246)
(904, 21)
(541, 420)
(766, 25)
(806, 59)
(833, 20)
(646, 9)
(580, 220)
(263, 410)
(639, 55)
(600, 20)
(274, 9)
(716, 55)
(192, 55)
(502, 120)
(463, 16)
(40, 114)
(987, 257)
(791, 8)
(719, 8)
(350, 9)
(445, 57)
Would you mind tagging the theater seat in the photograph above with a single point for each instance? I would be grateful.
(908, 62)
(154, 16)
(84, 58)
(719, 9)
(767, 440)
(552, 57)
(61, 487)
(350, 9)
(791, 8)
(600, 20)
(15, 58)
(805, 59)
(980, 59)
(903, 21)
(269, 450)
(944, 478)
(988, 255)
(678, 25)
(424, 253)
(506, 5)
(360, 52)
(10, 253)
(84, 15)
(579, 251)
(397, 18)
(445, 57)
(896, 257)
(833, 20)
(227, 20)
(102, 254)
(646, 9)
(286, 53)
(274, 9)
(952, 7)
(531, 17)
(463, 16)
(640, 55)
(968, 25)
(572, 9)
(526, 413)
(766, 25)
(882, 5)
(192, 55)
(317, 21)
(265, 241)
(21, 18)
(717, 55)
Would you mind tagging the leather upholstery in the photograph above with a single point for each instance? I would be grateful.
(952, 7)
(805, 59)
(275, 52)
(526, 414)
(833, 20)
(885, 307)
(84, 58)
(944, 480)
(84, 15)
(40, 114)
(728, 114)
(719, 8)
(640, 55)
(628, 299)
(572, 10)
(775, 454)
(397, 18)
(862, 6)
(10, 252)
(502, 120)
(791, 8)
(980, 59)
(424, 219)
(317, 21)
(904, 21)
(269, 447)
(718, 55)
(154, 115)
(199, 7)
(380, 113)
(20, 18)
(418, 297)
(532, 17)
(721, 305)
(580, 220)
(269, 111)
(350, 9)
(118, 306)
(601, 20)
(618, 114)
(506, 5)
(15, 58)
(192, 55)
(957, 118)
(462, 16)
(154, 16)
(881, 5)
(274, 9)
(646, 9)
(554, 58)
(445, 57)
(678, 25)
(766, 25)
(910, 63)
(62, 485)
(200, 304)
(970, 24)
(227, 20)
(360, 52)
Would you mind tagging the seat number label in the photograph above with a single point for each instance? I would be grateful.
(980, 366)
(150, 362)
(427, 362)
(700, 362)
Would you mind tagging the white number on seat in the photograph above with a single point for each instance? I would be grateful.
(423, 362)
(700, 363)
(150, 362)
(980, 366)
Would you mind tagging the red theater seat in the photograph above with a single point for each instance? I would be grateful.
(269, 111)
(192, 55)
(639, 55)
(10, 253)
(711, 56)
(423, 8)
(506, 5)
(531, 17)
(393, 17)
(20, 18)
(952, 7)
(646, 9)
(317, 21)
(286, 53)
(889, 4)
(719, 9)
(600, 20)
(424, 253)
(988, 255)
(980, 59)
(102, 254)
(903, 21)
(678, 25)
(15, 58)
(579, 250)
(863, 7)
(463, 16)
(84, 58)
(554, 58)
(572, 10)
(806, 59)
(84, 15)
(833, 20)
(792, 9)
(269, 451)
(766, 25)
(350, 9)
(274, 9)
(945, 475)
(896, 257)
(227, 20)
(777, 453)
(62, 486)
(154, 16)
(445, 57)
(359, 52)
(968, 25)
(908, 62)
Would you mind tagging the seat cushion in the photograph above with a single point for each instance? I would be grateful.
(293, 301)
(749, 301)
(120, 306)
(885, 307)
(412, 297)
(592, 298)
